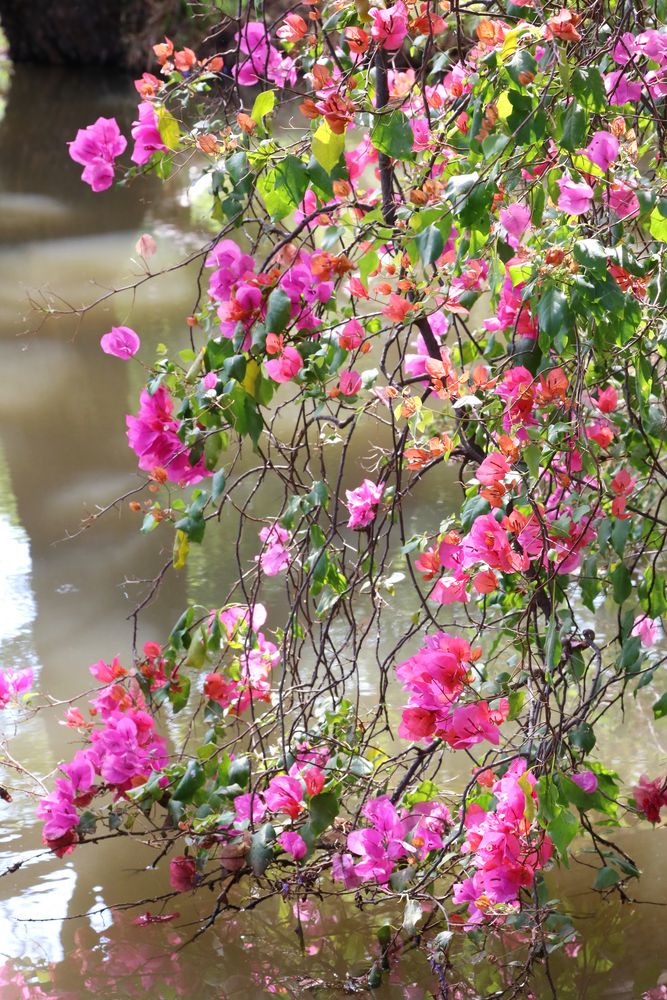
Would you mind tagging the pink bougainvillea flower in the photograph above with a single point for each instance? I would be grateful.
(587, 781)
(352, 335)
(646, 629)
(146, 246)
(623, 201)
(153, 436)
(313, 778)
(468, 725)
(493, 469)
(349, 383)
(14, 683)
(421, 134)
(602, 150)
(275, 557)
(607, 400)
(285, 795)
(390, 26)
(121, 342)
(294, 844)
(182, 873)
(96, 148)
(575, 198)
(288, 364)
(417, 724)
(250, 807)
(397, 309)
(451, 590)
(362, 503)
(485, 582)
(650, 797)
(620, 90)
(260, 59)
(146, 135)
(515, 221)
(292, 29)
(58, 811)
(601, 431)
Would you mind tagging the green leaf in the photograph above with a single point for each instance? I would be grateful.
(592, 254)
(622, 583)
(264, 104)
(278, 311)
(190, 783)
(562, 830)
(660, 707)
(516, 702)
(392, 135)
(582, 737)
(261, 851)
(323, 811)
(619, 535)
(284, 187)
(430, 245)
(588, 88)
(606, 878)
(327, 146)
(473, 508)
(239, 771)
(218, 484)
(574, 127)
(178, 693)
(553, 313)
(657, 225)
(531, 456)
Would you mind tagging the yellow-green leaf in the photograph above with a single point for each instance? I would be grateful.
(527, 789)
(181, 549)
(252, 373)
(264, 105)
(327, 146)
(168, 128)
(657, 225)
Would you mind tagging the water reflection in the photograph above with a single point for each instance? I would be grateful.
(63, 604)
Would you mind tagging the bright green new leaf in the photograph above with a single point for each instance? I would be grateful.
(264, 105)
(657, 225)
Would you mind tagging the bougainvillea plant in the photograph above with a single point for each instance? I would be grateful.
(439, 254)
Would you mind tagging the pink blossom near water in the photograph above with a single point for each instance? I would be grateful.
(146, 135)
(121, 342)
(96, 148)
(362, 503)
(647, 629)
(14, 684)
(294, 844)
(153, 436)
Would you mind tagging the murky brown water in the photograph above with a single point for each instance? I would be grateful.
(63, 605)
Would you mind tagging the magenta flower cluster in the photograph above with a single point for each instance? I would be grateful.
(122, 750)
(505, 845)
(393, 836)
(436, 678)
